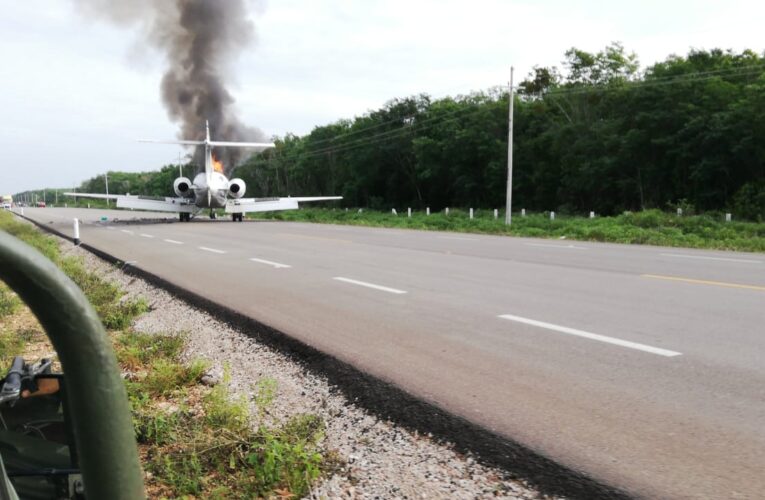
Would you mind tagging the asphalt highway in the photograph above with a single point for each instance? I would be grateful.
(642, 366)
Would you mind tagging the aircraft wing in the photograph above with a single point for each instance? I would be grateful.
(271, 204)
(156, 204)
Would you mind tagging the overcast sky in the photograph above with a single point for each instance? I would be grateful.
(75, 94)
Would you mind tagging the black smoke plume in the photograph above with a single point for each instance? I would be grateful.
(199, 39)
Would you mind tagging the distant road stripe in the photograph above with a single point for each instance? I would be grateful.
(592, 336)
(369, 285)
(550, 245)
(702, 257)
(144, 235)
(174, 242)
(705, 282)
(270, 263)
(126, 231)
(213, 250)
(110, 228)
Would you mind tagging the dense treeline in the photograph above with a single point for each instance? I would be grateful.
(601, 136)
(598, 134)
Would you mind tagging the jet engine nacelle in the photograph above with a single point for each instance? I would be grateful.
(182, 187)
(236, 188)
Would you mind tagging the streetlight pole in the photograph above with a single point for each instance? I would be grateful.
(509, 198)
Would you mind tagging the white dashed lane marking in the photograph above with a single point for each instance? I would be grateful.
(369, 285)
(270, 263)
(212, 250)
(591, 336)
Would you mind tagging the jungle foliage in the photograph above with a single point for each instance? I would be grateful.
(598, 134)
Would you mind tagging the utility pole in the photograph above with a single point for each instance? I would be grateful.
(106, 180)
(509, 203)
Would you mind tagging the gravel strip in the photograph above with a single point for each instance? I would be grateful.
(382, 460)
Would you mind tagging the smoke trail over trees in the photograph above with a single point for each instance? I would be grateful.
(199, 39)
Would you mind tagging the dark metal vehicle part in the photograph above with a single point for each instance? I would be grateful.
(85, 426)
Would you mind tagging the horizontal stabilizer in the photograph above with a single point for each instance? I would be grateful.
(184, 143)
(254, 145)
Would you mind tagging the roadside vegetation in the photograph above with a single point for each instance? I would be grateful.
(195, 440)
(650, 227)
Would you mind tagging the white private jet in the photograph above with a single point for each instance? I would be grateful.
(210, 189)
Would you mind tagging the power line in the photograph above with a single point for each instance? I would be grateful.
(392, 122)
(474, 108)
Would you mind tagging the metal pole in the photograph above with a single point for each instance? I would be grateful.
(56, 197)
(106, 181)
(509, 203)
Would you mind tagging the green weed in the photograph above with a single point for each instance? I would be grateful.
(650, 227)
(9, 302)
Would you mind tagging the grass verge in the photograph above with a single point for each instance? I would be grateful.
(195, 441)
(650, 227)
(201, 441)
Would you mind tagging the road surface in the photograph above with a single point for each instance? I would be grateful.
(642, 366)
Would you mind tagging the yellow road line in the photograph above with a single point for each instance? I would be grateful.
(704, 282)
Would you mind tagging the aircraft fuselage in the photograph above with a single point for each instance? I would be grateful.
(210, 190)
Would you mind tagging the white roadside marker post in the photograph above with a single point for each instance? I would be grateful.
(393, 211)
(496, 213)
(471, 213)
(409, 212)
(592, 215)
(427, 210)
(728, 217)
(679, 211)
(523, 212)
(76, 227)
(447, 210)
(552, 215)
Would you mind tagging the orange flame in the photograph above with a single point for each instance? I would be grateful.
(217, 165)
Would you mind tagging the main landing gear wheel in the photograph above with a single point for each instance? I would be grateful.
(212, 215)
(237, 217)
(185, 216)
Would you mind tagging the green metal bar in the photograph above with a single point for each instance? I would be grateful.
(97, 399)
